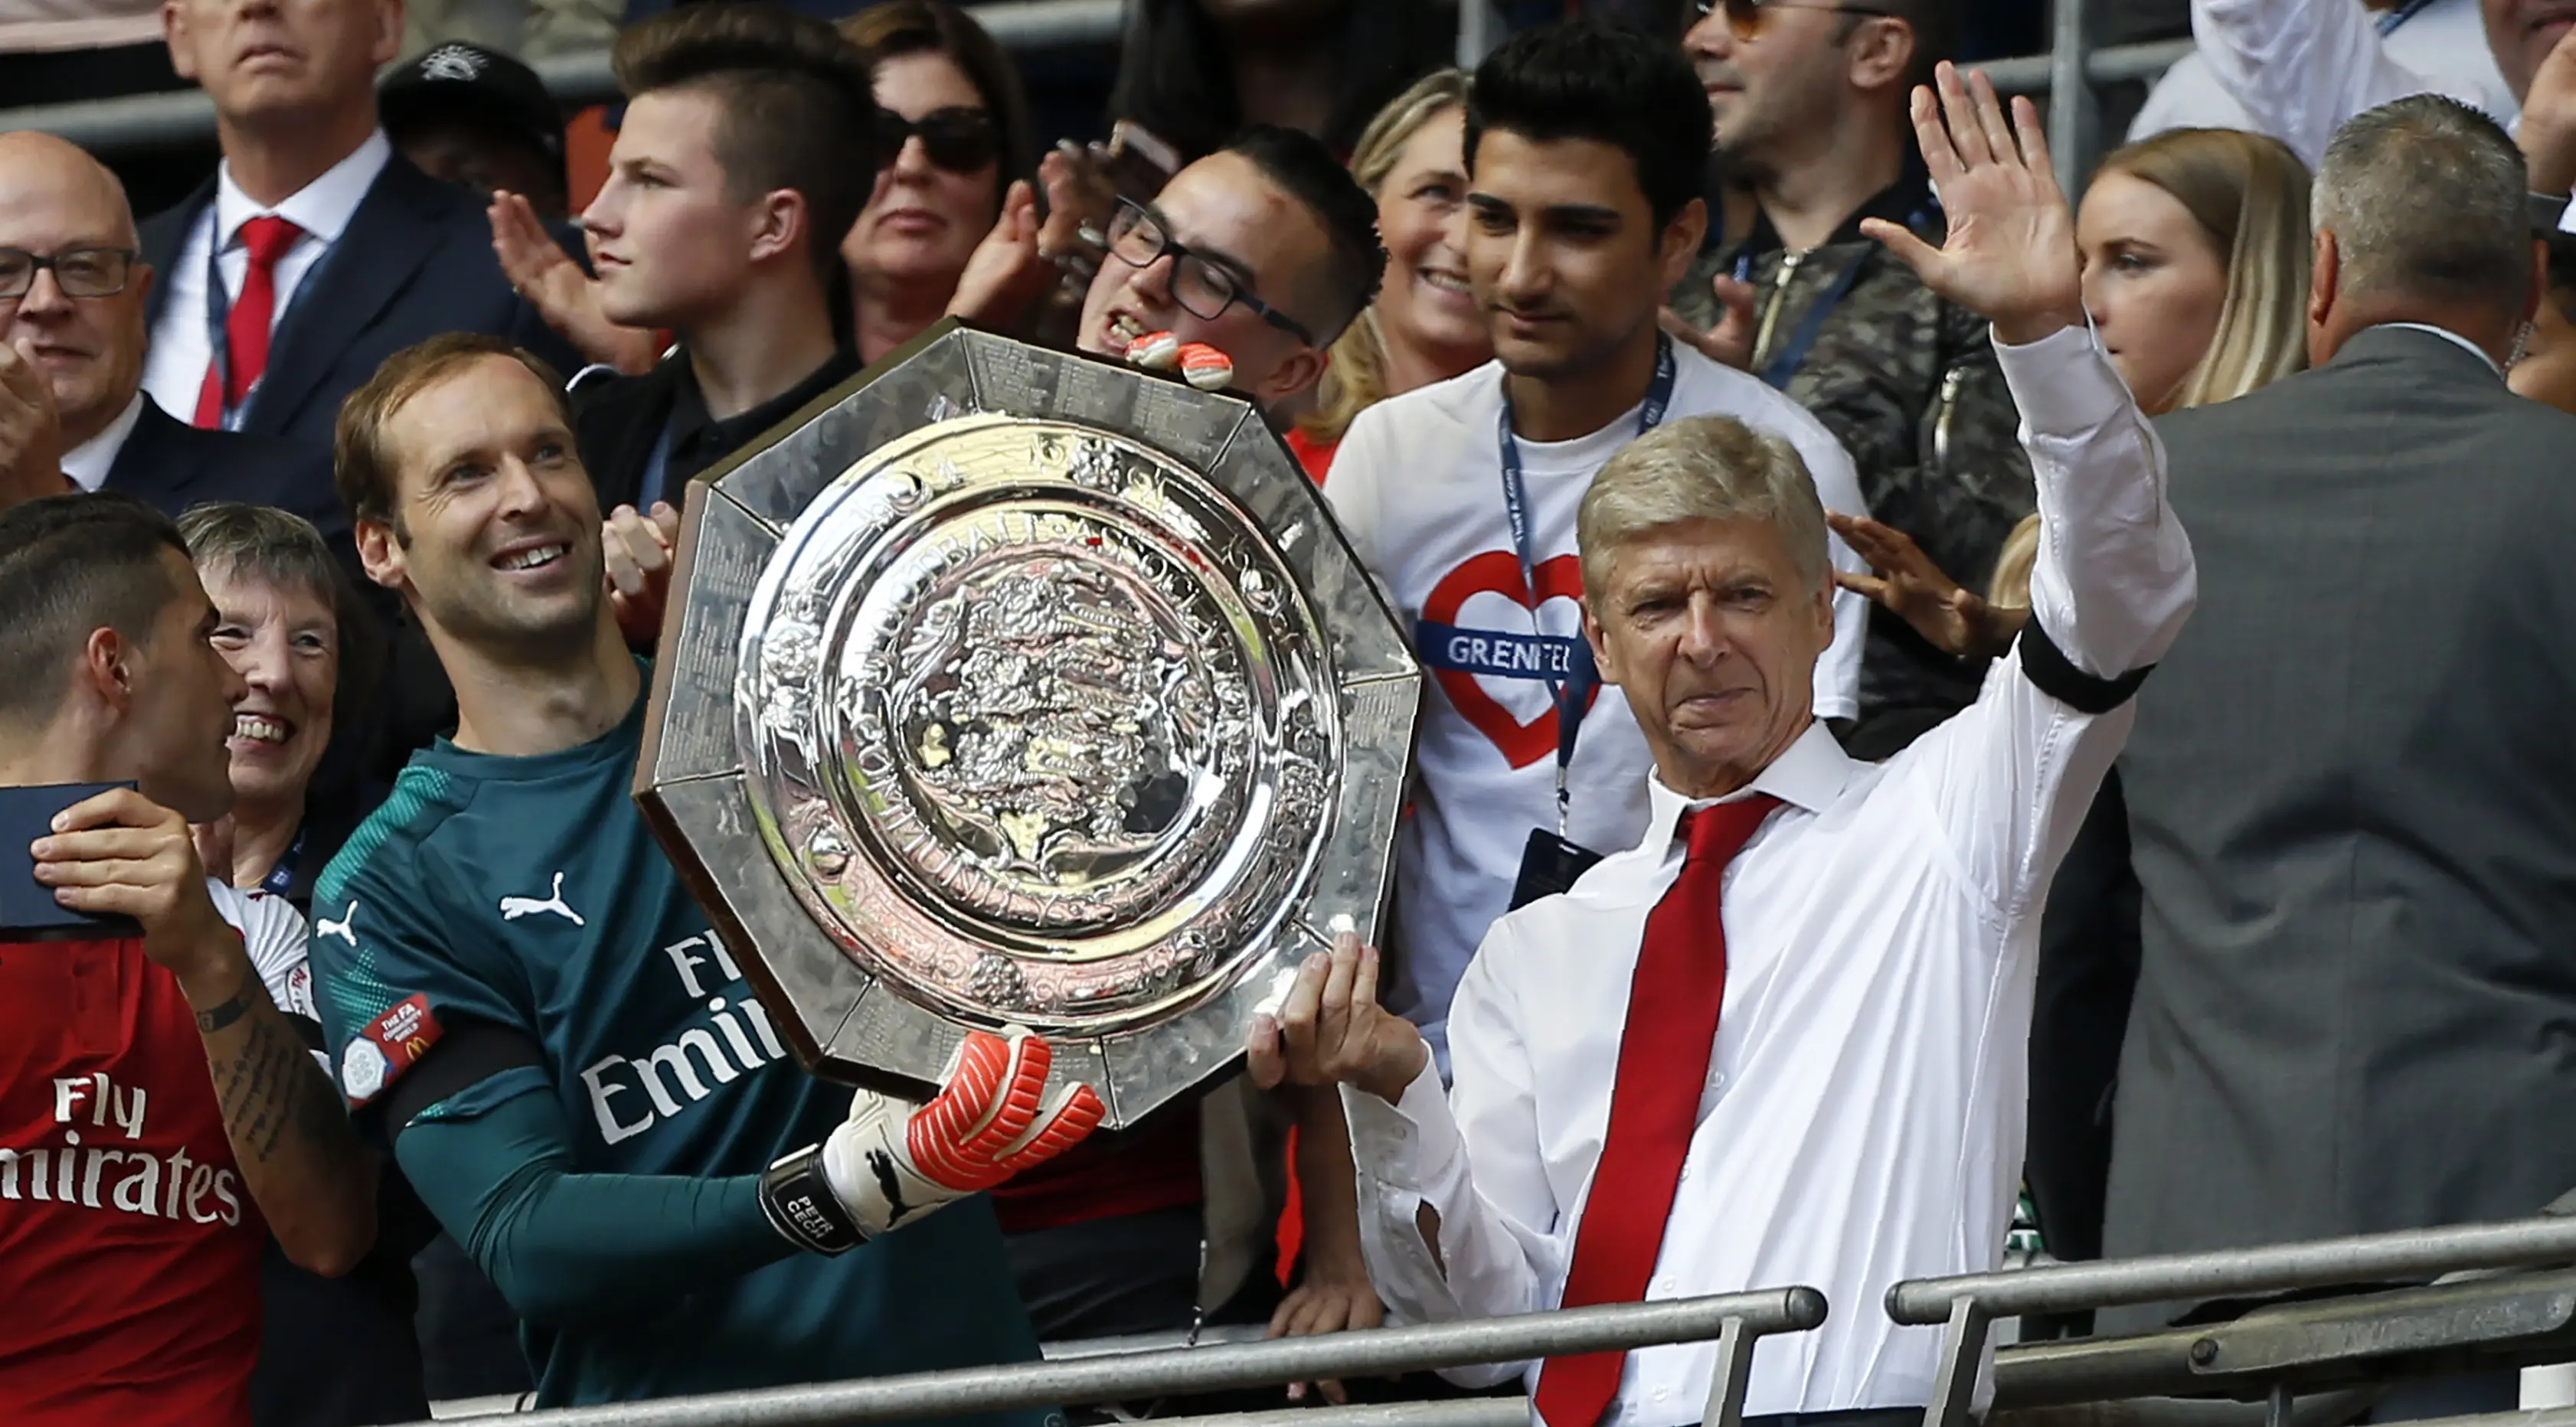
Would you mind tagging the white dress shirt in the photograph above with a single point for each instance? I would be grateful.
(174, 369)
(1417, 486)
(2441, 47)
(88, 463)
(1862, 1117)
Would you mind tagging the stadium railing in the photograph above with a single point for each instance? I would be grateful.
(1734, 1321)
(2275, 1352)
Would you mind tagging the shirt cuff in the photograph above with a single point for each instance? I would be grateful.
(1399, 1145)
(2063, 384)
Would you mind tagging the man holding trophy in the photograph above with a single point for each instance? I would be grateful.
(1781, 1040)
(521, 997)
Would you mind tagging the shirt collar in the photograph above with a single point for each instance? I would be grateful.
(87, 463)
(703, 440)
(321, 208)
(2454, 338)
(1810, 773)
(1908, 203)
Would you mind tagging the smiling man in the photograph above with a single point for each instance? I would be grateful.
(136, 1188)
(1585, 147)
(72, 329)
(747, 151)
(1780, 1039)
(523, 999)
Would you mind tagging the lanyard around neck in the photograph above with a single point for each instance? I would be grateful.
(1573, 694)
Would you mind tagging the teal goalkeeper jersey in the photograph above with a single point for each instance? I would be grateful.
(527, 892)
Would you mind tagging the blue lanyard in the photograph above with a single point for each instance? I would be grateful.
(648, 487)
(219, 308)
(1575, 693)
(2389, 22)
(1785, 363)
(282, 876)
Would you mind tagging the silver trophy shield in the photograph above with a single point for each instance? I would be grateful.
(1007, 686)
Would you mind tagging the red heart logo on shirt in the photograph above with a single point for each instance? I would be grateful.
(1499, 572)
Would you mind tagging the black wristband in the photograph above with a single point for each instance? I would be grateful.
(797, 1196)
(2047, 667)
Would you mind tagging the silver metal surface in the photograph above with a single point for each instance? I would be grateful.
(1368, 1352)
(2273, 1268)
(2489, 1324)
(2033, 74)
(2074, 110)
(1047, 693)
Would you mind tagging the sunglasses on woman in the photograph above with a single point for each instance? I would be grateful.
(958, 139)
(1745, 19)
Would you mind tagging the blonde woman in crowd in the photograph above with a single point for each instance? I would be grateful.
(2195, 247)
(1424, 326)
(2196, 274)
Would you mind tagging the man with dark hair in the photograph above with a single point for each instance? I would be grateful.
(1809, 105)
(1585, 149)
(566, 1059)
(748, 149)
(2353, 982)
(115, 1142)
(1264, 250)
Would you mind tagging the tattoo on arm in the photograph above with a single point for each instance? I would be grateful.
(268, 1081)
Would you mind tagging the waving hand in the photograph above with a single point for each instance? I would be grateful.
(2010, 255)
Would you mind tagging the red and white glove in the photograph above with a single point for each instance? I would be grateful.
(893, 1161)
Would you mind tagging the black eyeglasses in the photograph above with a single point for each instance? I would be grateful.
(79, 272)
(1203, 289)
(1746, 18)
(958, 139)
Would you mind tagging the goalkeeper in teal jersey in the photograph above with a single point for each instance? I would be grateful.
(519, 995)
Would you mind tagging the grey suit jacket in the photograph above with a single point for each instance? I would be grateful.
(2352, 794)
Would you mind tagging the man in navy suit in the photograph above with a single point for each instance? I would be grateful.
(316, 251)
(72, 296)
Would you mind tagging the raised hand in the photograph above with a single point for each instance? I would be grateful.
(1730, 342)
(1005, 273)
(2010, 256)
(31, 432)
(892, 1161)
(1955, 620)
(636, 560)
(1332, 1031)
(566, 297)
(2547, 131)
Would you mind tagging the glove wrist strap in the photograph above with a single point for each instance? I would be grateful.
(797, 1196)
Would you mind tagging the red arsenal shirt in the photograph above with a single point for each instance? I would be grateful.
(129, 1247)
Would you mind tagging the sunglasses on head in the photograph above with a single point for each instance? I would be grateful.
(1745, 18)
(959, 139)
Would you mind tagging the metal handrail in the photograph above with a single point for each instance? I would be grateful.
(2273, 1268)
(2033, 74)
(1967, 1305)
(1735, 1320)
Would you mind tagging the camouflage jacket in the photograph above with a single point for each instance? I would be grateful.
(1910, 385)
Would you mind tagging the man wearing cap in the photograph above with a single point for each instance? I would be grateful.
(477, 118)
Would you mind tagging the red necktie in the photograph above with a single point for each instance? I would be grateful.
(1673, 1001)
(228, 382)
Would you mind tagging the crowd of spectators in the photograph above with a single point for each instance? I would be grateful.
(1787, 491)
